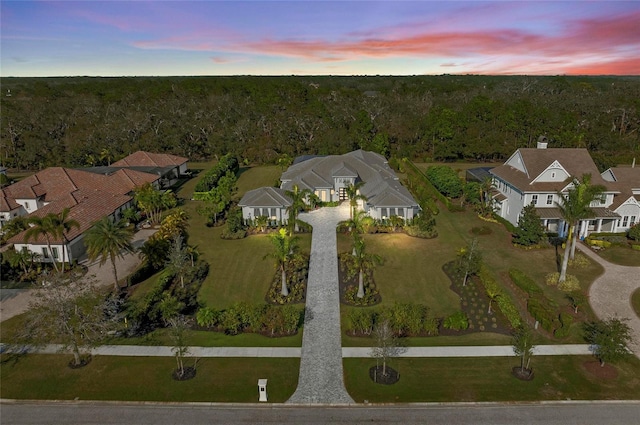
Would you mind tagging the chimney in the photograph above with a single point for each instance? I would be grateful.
(542, 142)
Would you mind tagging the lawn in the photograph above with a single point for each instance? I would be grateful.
(146, 379)
(490, 379)
(621, 255)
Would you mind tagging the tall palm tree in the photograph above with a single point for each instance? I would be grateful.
(108, 240)
(46, 227)
(285, 248)
(297, 203)
(357, 224)
(63, 225)
(364, 262)
(574, 206)
(353, 193)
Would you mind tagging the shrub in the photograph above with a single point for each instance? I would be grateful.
(543, 312)
(209, 180)
(552, 279)
(207, 317)
(580, 261)
(530, 230)
(565, 320)
(504, 302)
(430, 326)
(458, 321)
(446, 180)
(570, 284)
(634, 232)
(361, 320)
(524, 282)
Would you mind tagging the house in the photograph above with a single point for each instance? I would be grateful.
(89, 194)
(329, 176)
(537, 175)
(271, 202)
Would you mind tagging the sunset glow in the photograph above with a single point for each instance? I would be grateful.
(117, 38)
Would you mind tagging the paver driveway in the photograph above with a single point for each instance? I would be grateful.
(321, 379)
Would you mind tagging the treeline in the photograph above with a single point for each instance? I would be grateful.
(92, 121)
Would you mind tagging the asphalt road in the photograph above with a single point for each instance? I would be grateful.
(585, 413)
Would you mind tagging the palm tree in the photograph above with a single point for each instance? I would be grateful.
(353, 193)
(364, 262)
(297, 203)
(286, 247)
(46, 227)
(357, 225)
(178, 258)
(574, 206)
(62, 225)
(109, 239)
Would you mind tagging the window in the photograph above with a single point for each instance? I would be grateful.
(54, 251)
(26, 205)
(553, 175)
(549, 199)
(400, 212)
(632, 221)
(392, 211)
(603, 199)
(625, 221)
(383, 212)
(534, 199)
(45, 252)
(273, 212)
(256, 212)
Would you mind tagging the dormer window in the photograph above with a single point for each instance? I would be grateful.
(534, 199)
(603, 199)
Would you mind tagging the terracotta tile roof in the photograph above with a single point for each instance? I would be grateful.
(7, 203)
(148, 159)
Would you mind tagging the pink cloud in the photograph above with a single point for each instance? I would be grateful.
(614, 67)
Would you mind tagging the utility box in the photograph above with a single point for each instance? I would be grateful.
(262, 389)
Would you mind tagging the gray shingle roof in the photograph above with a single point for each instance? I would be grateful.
(265, 197)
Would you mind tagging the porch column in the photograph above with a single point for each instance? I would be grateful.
(599, 227)
(584, 224)
(545, 223)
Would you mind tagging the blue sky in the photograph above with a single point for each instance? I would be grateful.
(124, 38)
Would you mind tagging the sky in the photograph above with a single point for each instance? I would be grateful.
(160, 38)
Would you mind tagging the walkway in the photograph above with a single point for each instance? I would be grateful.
(16, 301)
(610, 294)
(295, 352)
(321, 380)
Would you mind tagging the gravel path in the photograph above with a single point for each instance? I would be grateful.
(15, 302)
(321, 378)
(610, 294)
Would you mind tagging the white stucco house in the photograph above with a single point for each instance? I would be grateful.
(536, 176)
(328, 176)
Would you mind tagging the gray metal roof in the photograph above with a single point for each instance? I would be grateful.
(265, 197)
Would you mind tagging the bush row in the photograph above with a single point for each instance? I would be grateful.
(259, 318)
(524, 282)
(228, 163)
(504, 302)
(544, 312)
(405, 319)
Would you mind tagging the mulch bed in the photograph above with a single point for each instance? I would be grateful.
(189, 373)
(522, 374)
(392, 376)
(346, 283)
(84, 360)
(606, 372)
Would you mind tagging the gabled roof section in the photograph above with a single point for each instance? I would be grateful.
(626, 181)
(265, 197)
(148, 159)
(575, 161)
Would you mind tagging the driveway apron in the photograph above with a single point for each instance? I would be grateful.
(321, 378)
(610, 294)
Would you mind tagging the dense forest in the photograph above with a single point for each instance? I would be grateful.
(85, 121)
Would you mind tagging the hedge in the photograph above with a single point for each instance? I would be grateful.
(540, 309)
(504, 302)
(524, 282)
(211, 177)
(445, 179)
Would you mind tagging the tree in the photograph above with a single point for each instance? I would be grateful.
(363, 263)
(523, 346)
(285, 247)
(577, 299)
(609, 338)
(153, 201)
(108, 240)
(357, 225)
(154, 251)
(62, 224)
(45, 226)
(386, 345)
(530, 230)
(178, 332)
(353, 194)
(69, 310)
(469, 260)
(574, 206)
(178, 258)
(493, 293)
(297, 203)
(284, 161)
(174, 224)
(13, 227)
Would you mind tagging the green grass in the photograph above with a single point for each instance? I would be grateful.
(255, 177)
(490, 379)
(146, 379)
(621, 255)
(635, 301)
(479, 338)
(212, 339)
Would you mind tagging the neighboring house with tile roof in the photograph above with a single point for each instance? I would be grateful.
(328, 177)
(88, 194)
(169, 167)
(537, 175)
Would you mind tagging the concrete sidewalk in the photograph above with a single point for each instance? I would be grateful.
(349, 352)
